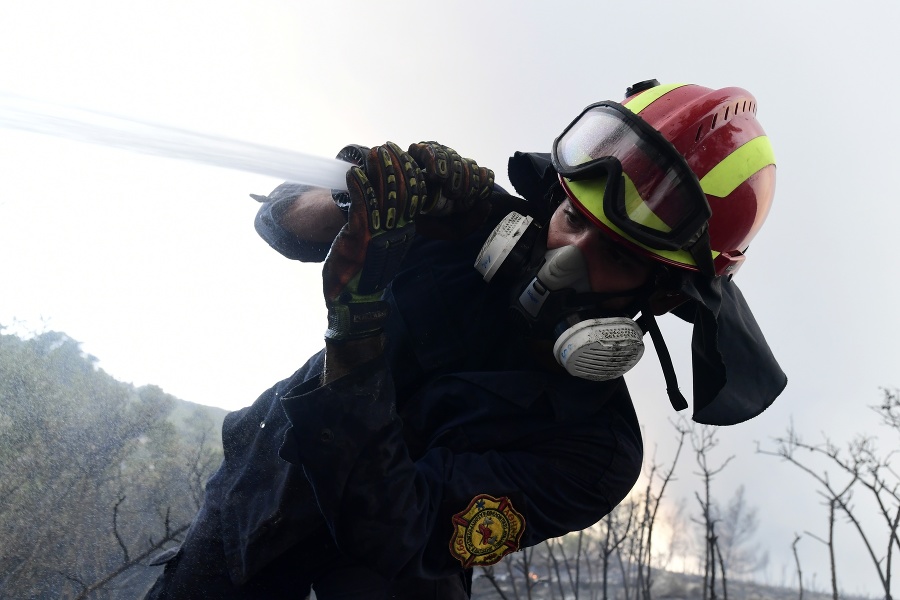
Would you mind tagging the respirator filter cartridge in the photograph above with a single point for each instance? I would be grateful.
(600, 349)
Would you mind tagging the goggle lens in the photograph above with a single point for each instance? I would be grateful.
(596, 134)
(651, 192)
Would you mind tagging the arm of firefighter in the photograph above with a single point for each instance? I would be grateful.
(302, 221)
(449, 508)
(314, 216)
(299, 221)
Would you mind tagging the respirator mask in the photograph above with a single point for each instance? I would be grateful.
(551, 296)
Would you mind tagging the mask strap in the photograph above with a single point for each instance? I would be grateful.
(648, 323)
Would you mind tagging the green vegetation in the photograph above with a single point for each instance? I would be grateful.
(95, 474)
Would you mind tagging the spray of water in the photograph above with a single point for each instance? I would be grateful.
(17, 112)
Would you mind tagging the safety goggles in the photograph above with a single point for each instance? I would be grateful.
(669, 210)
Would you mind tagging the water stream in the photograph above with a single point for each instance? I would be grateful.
(26, 114)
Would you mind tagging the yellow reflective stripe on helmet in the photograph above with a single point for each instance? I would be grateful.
(637, 209)
(590, 194)
(738, 166)
(645, 99)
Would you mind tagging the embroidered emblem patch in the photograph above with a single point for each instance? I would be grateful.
(486, 531)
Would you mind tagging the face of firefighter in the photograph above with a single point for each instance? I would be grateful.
(611, 266)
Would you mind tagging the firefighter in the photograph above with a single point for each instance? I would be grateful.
(459, 413)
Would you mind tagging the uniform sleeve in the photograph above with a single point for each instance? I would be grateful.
(268, 226)
(449, 508)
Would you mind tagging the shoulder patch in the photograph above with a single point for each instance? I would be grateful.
(486, 531)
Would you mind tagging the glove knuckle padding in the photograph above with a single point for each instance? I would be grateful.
(488, 187)
(441, 162)
(399, 178)
(455, 186)
(474, 173)
(414, 186)
(384, 171)
(361, 191)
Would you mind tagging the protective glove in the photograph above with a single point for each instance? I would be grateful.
(385, 198)
(458, 191)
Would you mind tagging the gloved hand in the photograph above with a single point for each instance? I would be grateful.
(458, 191)
(385, 198)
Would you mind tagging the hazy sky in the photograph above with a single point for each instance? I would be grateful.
(153, 264)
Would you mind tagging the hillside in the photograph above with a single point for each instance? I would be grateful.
(95, 474)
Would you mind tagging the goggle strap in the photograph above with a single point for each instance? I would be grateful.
(648, 323)
(701, 252)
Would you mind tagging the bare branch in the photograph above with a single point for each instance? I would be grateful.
(797, 560)
(122, 545)
(125, 566)
(861, 467)
(489, 575)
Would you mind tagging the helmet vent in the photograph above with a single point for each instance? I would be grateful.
(740, 106)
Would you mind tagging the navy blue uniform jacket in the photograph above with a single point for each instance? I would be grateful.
(371, 469)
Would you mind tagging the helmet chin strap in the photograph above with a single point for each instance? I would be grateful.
(647, 323)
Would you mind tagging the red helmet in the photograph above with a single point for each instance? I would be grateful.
(676, 171)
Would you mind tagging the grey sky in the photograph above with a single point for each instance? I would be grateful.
(154, 265)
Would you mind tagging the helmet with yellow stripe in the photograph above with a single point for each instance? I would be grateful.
(682, 173)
